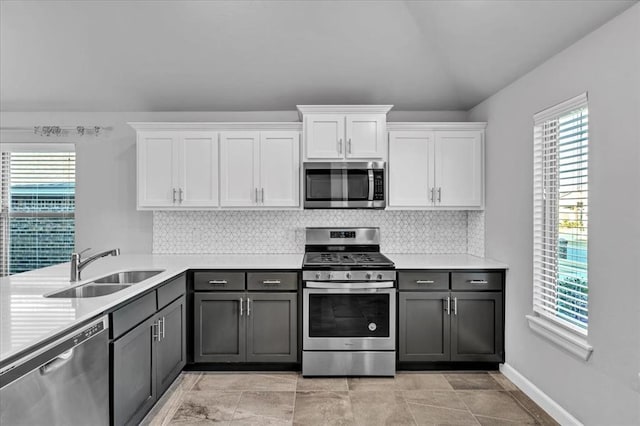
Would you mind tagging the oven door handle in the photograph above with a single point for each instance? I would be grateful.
(349, 286)
(371, 186)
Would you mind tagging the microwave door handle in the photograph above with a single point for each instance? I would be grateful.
(370, 185)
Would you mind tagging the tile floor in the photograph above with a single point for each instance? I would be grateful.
(289, 399)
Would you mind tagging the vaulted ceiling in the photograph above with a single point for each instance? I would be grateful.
(272, 55)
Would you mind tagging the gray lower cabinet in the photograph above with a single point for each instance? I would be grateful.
(272, 327)
(147, 355)
(219, 328)
(134, 379)
(476, 326)
(435, 326)
(424, 331)
(245, 327)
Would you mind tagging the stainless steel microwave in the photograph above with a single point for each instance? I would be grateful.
(344, 185)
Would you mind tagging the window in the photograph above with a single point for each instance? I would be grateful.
(561, 210)
(37, 214)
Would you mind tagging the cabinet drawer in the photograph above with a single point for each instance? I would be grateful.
(132, 314)
(423, 280)
(171, 291)
(476, 281)
(211, 281)
(266, 281)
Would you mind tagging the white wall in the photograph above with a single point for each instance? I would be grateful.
(606, 389)
(106, 214)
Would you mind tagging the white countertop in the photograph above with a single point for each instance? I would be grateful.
(443, 261)
(29, 318)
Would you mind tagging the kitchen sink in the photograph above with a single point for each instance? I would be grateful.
(128, 277)
(106, 285)
(90, 290)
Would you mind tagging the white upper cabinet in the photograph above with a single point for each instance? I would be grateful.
(239, 155)
(436, 166)
(410, 168)
(458, 171)
(177, 169)
(344, 132)
(280, 169)
(260, 169)
(218, 165)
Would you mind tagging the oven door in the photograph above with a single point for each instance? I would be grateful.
(349, 316)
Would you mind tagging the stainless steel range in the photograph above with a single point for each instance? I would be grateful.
(349, 304)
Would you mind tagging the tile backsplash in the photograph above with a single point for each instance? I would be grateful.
(252, 231)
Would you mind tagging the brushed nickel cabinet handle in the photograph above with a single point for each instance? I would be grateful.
(439, 194)
(448, 305)
(478, 282)
(241, 311)
(256, 195)
(425, 281)
(180, 195)
(268, 282)
(455, 306)
(162, 328)
(262, 195)
(155, 331)
(248, 307)
(349, 146)
(174, 195)
(340, 146)
(218, 282)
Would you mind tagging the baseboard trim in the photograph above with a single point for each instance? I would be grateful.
(554, 409)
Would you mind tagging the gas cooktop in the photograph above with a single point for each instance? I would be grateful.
(346, 259)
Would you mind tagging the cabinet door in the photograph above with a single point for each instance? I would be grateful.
(410, 168)
(424, 326)
(280, 169)
(156, 169)
(171, 348)
(458, 169)
(324, 136)
(365, 136)
(239, 169)
(198, 177)
(272, 327)
(219, 327)
(476, 326)
(134, 378)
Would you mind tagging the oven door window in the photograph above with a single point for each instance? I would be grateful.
(349, 315)
(357, 184)
(325, 185)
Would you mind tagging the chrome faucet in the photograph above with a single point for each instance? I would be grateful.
(77, 264)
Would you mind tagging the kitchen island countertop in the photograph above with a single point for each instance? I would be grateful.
(29, 319)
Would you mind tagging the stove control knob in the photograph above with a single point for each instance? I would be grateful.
(368, 276)
(379, 277)
(317, 275)
(348, 275)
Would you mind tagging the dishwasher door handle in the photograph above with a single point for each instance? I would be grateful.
(57, 362)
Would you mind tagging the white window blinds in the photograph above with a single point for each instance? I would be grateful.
(37, 209)
(560, 281)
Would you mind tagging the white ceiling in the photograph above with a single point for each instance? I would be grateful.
(272, 55)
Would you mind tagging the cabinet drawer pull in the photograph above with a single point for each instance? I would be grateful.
(155, 331)
(218, 282)
(271, 282)
(425, 281)
(478, 282)
(241, 311)
(455, 306)
(448, 305)
(248, 307)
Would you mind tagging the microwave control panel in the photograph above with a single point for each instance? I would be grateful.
(378, 185)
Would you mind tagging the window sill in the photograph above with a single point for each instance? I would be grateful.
(567, 340)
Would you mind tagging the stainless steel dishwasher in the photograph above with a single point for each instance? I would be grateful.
(63, 383)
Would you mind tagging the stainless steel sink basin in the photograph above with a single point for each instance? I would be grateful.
(129, 277)
(106, 285)
(90, 290)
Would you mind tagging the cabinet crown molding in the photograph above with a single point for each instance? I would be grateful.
(343, 109)
(436, 125)
(215, 126)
